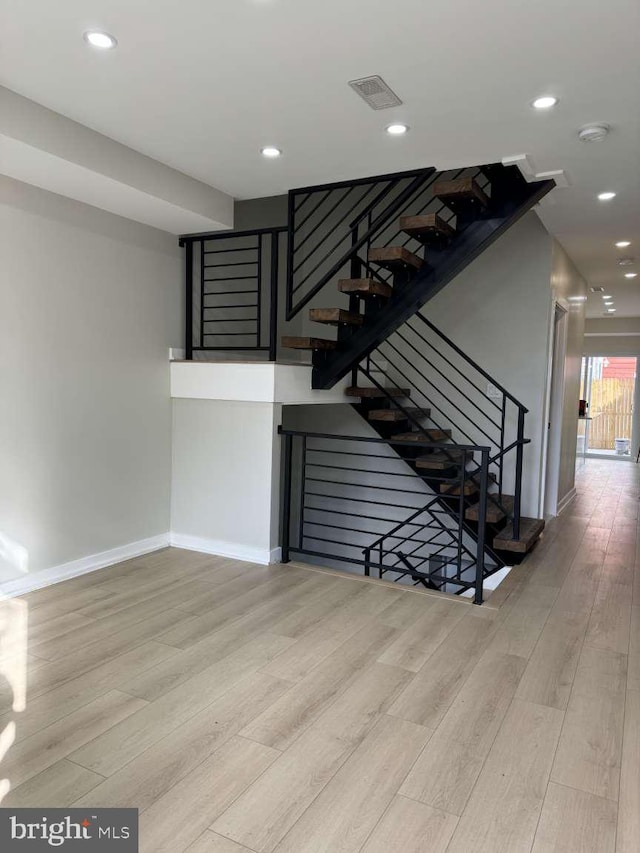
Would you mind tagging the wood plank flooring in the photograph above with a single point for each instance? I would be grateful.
(285, 709)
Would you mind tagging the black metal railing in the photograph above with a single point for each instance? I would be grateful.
(461, 396)
(354, 500)
(232, 290)
(333, 226)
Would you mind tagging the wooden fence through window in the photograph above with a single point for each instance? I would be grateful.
(611, 408)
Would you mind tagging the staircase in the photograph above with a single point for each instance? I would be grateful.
(384, 247)
(429, 233)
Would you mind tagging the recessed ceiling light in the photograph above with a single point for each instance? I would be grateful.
(622, 244)
(270, 151)
(608, 303)
(544, 102)
(397, 129)
(103, 41)
(606, 297)
(577, 298)
(611, 310)
(626, 262)
(606, 196)
(630, 274)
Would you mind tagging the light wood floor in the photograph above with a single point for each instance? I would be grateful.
(284, 709)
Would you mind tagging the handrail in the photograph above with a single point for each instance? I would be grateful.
(434, 444)
(470, 361)
(337, 185)
(221, 235)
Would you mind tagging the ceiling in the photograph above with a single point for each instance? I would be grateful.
(202, 85)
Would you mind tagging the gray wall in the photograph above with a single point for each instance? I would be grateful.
(89, 304)
(497, 311)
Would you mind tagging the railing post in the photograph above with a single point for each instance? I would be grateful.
(367, 561)
(273, 305)
(461, 507)
(188, 302)
(518, 485)
(202, 268)
(482, 521)
(291, 215)
(503, 418)
(286, 498)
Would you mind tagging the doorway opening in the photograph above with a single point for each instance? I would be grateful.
(608, 386)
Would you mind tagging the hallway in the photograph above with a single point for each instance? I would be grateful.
(285, 709)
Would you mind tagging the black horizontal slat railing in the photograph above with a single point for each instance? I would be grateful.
(442, 378)
(232, 290)
(352, 499)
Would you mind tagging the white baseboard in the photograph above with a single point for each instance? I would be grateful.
(220, 548)
(566, 500)
(29, 582)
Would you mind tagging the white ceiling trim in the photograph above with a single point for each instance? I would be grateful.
(524, 162)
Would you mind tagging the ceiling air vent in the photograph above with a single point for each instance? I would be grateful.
(375, 92)
(596, 289)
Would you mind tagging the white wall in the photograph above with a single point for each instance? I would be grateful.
(89, 304)
(611, 345)
(226, 477)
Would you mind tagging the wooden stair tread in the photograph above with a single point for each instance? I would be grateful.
(394, 257)
(366, 392)
(465, 190)
(494, 512)
(397, 414)
(386, 415)
(439, 461)
(429, 229)
(429, 435)
(530, 530)
(335, 316)
(365, 287)
(453, 489)
(308, 343)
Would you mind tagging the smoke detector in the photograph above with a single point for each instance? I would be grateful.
(593, 132)
(375, 92)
